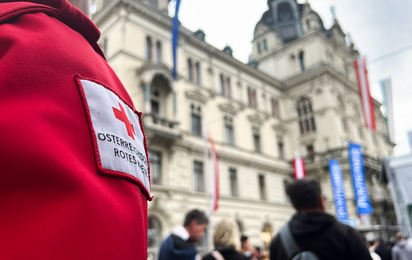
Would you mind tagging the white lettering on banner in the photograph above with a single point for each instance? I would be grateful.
(359, 179)
(119, 137)
(338, 191)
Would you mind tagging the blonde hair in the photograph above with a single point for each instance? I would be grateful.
(227, 234)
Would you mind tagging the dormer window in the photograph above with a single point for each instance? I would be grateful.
(285, 12)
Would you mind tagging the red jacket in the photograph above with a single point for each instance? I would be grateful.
(74, 174)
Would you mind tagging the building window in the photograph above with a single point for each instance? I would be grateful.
(259, 48)
(149, 49)
(154, 3)
(310, 151)
(197, 73)
(155, 167)
(189, 70)
(301, 61)
(252, 97)
(154, 232)
(158, 52)
(285, 188)
(262, 187)
(229, 136)
(306, 117)
(225, 86)
(256, 141)
(265, 44)
(196, 120)
(281, 148)
(275, 107)
(233, 182)
(193, 71)
(198, 176)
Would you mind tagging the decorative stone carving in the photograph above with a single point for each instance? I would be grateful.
(279, 128)
(197, 96)
(228, 108)
(256, 119)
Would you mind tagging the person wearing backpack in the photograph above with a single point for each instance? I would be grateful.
(312, 233)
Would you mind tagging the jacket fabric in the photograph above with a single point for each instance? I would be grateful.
(176, 248)
(383, 252)
(74, 178)
(228, 254)
(323, 235)
(401, 251)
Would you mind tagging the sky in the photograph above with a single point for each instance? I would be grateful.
(377, 27)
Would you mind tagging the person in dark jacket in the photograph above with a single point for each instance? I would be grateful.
(180, 244)
(226, 242)
(383, 251)
(316, 231)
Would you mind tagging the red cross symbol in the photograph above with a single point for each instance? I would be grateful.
(121, 115)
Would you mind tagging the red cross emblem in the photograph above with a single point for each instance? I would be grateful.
(121, 115)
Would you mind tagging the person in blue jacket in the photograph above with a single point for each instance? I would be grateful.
(180, 244)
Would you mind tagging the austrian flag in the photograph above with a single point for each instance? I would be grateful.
(117, 133)
(299, 168)
(364, 92)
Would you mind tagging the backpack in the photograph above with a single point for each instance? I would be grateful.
(291, 248)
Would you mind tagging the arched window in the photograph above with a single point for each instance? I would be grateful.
(154, 232)
(306, 117)
(301, 61)
(158, 52)
(265, 44)
(149, 48)
(189, 70)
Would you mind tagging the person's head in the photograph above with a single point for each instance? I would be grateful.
(370, 243)
(195, 224)
(379, 242)
(244, 241)
(306, 195)
(399, 236)
(226, 234)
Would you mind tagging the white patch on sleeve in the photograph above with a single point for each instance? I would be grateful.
(118, 133)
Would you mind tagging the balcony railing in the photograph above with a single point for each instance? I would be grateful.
(161, 126)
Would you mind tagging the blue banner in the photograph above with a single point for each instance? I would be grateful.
(175, 38)
(338, 189)
(358, 179)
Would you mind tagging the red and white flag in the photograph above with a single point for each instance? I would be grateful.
(215, 164)
(299, 168)
(364, 92)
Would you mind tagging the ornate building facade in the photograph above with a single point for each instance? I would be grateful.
(298, 93)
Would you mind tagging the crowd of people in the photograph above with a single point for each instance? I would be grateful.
(310, 234)
(399, 249)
